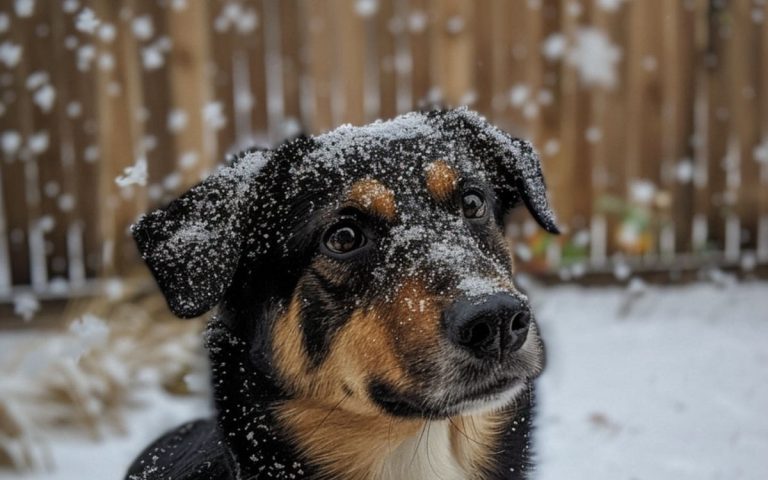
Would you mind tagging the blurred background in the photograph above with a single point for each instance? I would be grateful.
(651, 119)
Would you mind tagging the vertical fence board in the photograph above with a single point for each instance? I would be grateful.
(321, 65)
(678, 126)
(388, 24)
(351, 56)
(452, 44)
(291, 37)
(190, 89)
(16, 127)
(743, 60)
(420, 23)
(120, 131)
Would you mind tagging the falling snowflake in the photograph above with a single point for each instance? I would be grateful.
(594, 57)
(10, 142)
(213, 115)
(152, 58)
(25, 305)
(87, 21)
(5, 22)
(44, 98)
(135, 174)
(642, 192)
(143, 28)
(24, 8)
(38, 142)
(609, 5)
(761, 152)
(177, 120)
(366, 8)
(554, 46)
(10, 53)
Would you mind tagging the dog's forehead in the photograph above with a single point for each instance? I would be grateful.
(396, 154)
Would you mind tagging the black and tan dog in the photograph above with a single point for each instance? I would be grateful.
(367, 326)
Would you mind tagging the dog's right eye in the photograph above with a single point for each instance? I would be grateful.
(344, 238)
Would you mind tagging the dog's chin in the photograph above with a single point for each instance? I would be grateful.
(473, 401)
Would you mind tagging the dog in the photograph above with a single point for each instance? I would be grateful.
(368, 326)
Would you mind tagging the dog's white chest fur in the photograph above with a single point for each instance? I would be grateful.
(426, 456)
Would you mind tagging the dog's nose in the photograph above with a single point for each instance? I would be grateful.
(496, 325)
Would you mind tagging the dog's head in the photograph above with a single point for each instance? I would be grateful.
(376, 253)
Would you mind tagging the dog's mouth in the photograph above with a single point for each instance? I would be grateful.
(472, 399)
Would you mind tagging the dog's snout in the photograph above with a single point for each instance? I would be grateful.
(490, 328)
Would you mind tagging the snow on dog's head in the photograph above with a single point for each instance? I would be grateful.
(379, 255)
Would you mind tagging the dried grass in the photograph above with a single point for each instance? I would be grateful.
(85, 377)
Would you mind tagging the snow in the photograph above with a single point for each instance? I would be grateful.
(45, 97)
(610, 5)
(594, 57)
(10, 53)
(38, 142)
(10, 140)
(662, 383)
(25, 305)
(142, 27)
(213, 115)
(366, 8)
(87, 21)
(24, 8)
(135, 174)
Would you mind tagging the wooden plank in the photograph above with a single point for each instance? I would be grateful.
(351, 60)
(45, 129)
(321, 65)
(742, 63)
(219, 113)
(291, 39)
(16, 125)
(644, 111)
(157, 146)
(253, 48)
(677, 120)
(608, 116)
(761, 154)
(190, 90)
(510, 26)
(483, 67)
(421, 22)
(119, 92)
(452, 45)
(77, 89)
(388, 25)
(718, 121)
(571, 165)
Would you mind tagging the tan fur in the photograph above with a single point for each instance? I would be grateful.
(441, 180)
(349, 446)
(372, 196)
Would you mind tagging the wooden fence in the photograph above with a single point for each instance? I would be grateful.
(651, 116)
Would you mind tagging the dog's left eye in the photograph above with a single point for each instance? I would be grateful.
(473, 204)
(344, 238)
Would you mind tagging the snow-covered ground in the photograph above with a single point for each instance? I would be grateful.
(656, 383)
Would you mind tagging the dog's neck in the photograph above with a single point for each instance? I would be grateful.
(265, 430)
(352, 446)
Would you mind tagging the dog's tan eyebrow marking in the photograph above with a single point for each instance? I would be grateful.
(370, 195)
(441, 180)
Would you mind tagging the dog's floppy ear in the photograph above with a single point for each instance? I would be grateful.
(521, 167)
(514, 164)
(193, 246)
